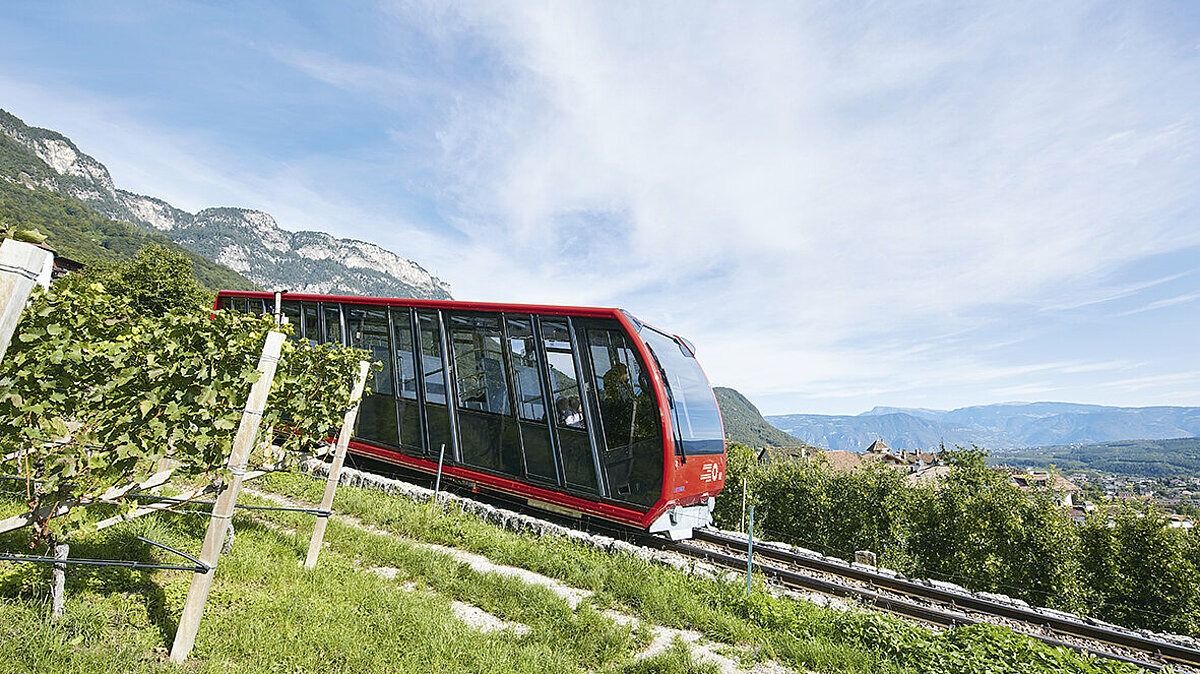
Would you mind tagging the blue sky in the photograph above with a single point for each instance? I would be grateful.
(842, 204)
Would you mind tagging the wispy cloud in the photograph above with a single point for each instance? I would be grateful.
(1105, 295)
(1163, 303)
(1156, 381)
(858, 201)
(859, 173)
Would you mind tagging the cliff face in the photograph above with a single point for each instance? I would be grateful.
(249, 242)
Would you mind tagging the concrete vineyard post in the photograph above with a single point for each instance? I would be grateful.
(58, 579)
(21, 264)
(210, 552)
(335, 470)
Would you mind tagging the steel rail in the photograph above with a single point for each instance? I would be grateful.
(1168, 651)
(883, 602)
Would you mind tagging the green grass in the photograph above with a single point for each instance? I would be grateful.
(266, 614)
(795, 633)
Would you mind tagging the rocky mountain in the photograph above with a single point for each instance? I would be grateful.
(249, 242)
(77, 231)
(999, 426)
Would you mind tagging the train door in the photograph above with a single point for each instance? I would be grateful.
(367, 329)
(631, 457)
(571, 416)
(434, 386)
(529, 399)
(487, 430)
(331, 324)
(292, 312)
(408, 393)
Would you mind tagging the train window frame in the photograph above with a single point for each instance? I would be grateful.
(490, 386)
(690, 398)
(634, 468)
(409, 409)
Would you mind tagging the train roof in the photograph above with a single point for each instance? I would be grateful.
(439, 304)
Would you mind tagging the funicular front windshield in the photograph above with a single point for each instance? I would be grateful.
(693, 405)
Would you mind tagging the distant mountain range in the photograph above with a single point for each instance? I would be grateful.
(49, 166)
(999, 426)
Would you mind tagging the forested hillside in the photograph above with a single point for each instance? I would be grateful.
(744, 423)
(249, 242)
(1148, 458)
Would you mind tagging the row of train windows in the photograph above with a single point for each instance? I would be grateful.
(519, 408)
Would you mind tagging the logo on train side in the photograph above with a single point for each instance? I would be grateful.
(710, 472)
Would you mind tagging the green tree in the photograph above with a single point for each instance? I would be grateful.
(155, 281)
(1140, 572)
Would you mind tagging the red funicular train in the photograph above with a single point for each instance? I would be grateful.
(578, 410)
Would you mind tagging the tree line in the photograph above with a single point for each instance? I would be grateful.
(977, 529)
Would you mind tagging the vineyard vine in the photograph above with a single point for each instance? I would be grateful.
(95, 395)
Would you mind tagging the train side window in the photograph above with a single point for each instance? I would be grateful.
(433, 374)
(431, 359)
(312, 323)
(488, 433)
(564, 381)
(291, 309)
(225, 303)
(530, 400)
(629, 417)
(574, 445)
(479, 363)
(408, 409)
(333, 324)
(526, 375)
(367, 329)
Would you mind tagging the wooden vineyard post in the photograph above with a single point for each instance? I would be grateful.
(335, 470)
(21, 264)
(243, 443)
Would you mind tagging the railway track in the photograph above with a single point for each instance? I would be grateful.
(907, 598)
(936, 605)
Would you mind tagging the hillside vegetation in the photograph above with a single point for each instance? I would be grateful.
(977, 529)
(744, 424)
(47, 161)
(381, 600)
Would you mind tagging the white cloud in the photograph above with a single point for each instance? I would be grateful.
(854, 200)
(842, 174)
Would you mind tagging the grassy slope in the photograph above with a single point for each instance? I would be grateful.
(266, 614)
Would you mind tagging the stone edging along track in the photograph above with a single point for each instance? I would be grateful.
(522, 523)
